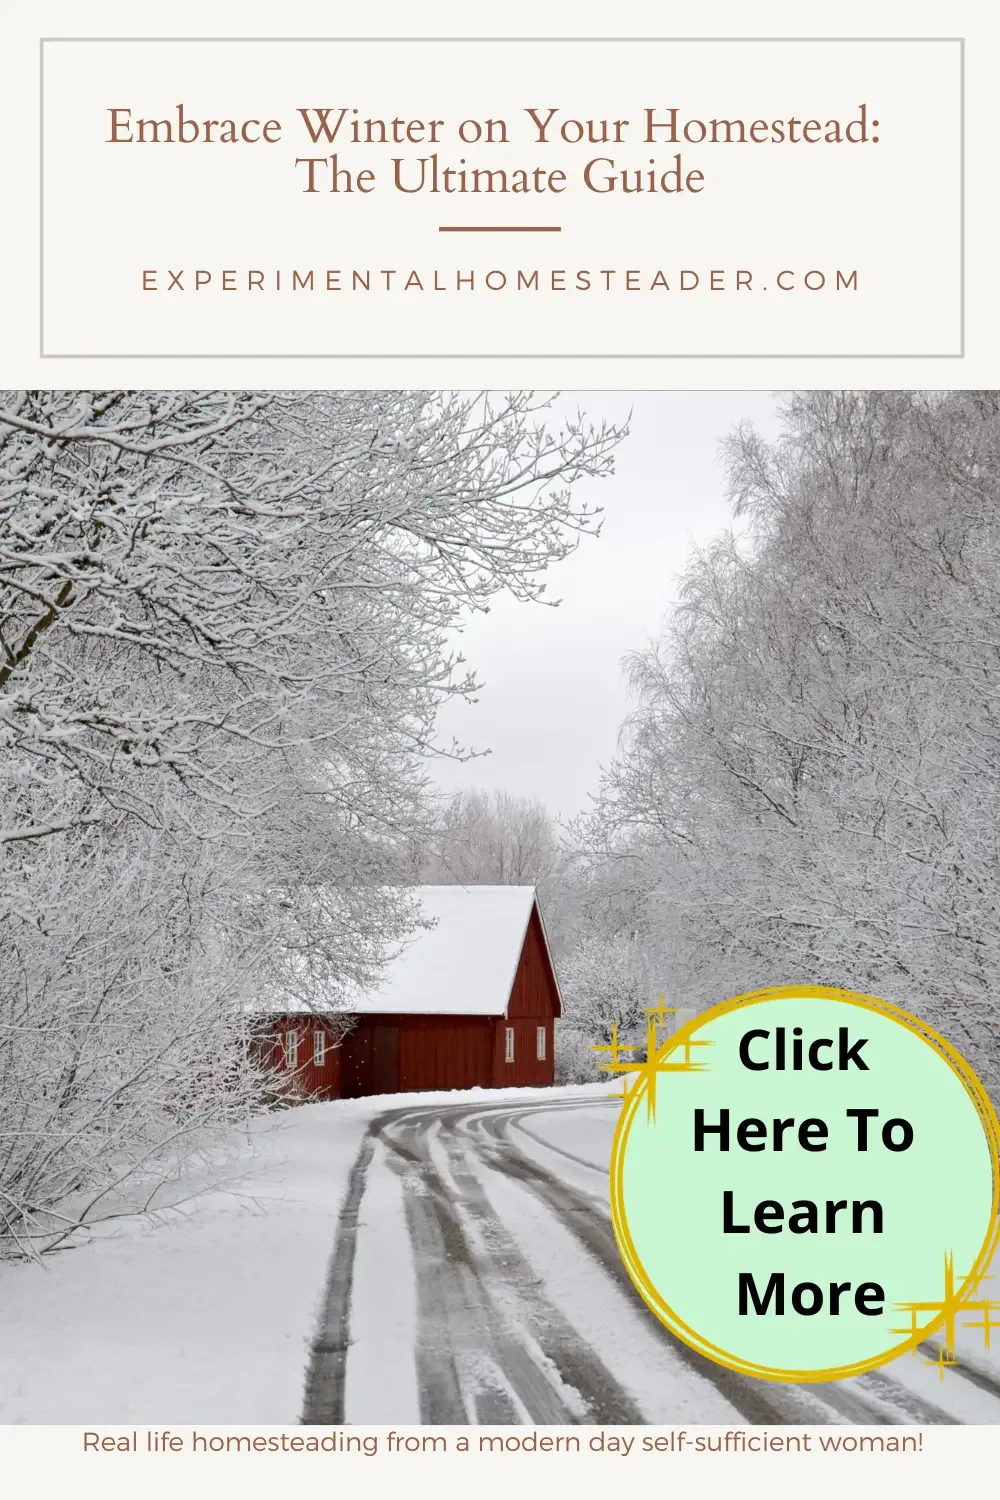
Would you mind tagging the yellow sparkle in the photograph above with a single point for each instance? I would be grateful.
(951, 1304)
(657, 1060)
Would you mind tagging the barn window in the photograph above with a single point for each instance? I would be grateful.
(291, 1049)
(319, 1049)
(508, 1053)
(540, 1043)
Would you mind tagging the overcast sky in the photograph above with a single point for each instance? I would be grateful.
(552, 696)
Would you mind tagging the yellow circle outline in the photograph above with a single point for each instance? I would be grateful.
(630, 1256)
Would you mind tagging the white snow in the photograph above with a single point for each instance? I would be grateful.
(206, 1313)
(380, 1368)
(465, 963)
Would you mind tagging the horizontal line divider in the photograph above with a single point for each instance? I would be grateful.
(499, 229)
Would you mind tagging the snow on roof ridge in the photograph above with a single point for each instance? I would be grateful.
(464, 963)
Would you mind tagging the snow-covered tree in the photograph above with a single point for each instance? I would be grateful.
(606, 989)
(492, 838)
(223, 619)
(607, 975)
(808, 787)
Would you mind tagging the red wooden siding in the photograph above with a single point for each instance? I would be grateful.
(534, 1002)
(527, 1070)
(322, 1082)
(389, 1054)
(534, 990)
(400, 1054)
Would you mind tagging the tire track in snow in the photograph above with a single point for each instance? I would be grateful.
(982, 1379)
(491, 1348)
(577, 1212)
(517, 1123)
(475, 1299)
(323, 1405)
(509, 1272)
(453, 1332)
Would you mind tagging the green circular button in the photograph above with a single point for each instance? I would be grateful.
(805, 1183)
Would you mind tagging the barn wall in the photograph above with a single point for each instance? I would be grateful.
(320, 1082)
(526, 1071)
(534, 990)
(534, 1002)
(445, 1052)
(393, 1053)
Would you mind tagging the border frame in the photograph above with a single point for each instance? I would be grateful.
(493, 41)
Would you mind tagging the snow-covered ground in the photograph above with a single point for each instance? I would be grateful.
(203, 1314)
(475, 1278)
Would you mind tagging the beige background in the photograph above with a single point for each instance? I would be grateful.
(946, 1452)
(890, 210)
(102, 221)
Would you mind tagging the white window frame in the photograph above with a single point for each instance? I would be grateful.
(541, 1040)
(319, 1048)
(508, 1044)
(291, 1049)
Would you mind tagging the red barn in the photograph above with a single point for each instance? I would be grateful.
(469, 1003)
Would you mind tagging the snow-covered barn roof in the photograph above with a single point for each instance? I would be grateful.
(465, 963)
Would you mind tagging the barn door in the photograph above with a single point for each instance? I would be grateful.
(385, 1060)
(356, 1063)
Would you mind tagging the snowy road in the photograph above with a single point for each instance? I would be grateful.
(475, 1278)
